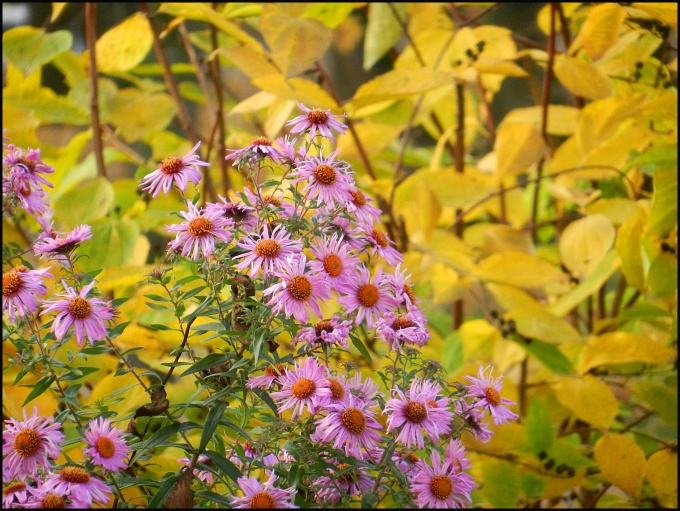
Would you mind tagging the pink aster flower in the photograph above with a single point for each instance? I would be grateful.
(291, 155)
(363, 389)
(268, 379)
(298, 290)
(260, 147)
(335, 331)
(31, 198)
(258, 454)
(487, 391)
(370, 298)
(42, 498)
(455, 454)
(174, 170)
(204, 475)
(350, 426)
(344, 479)
(352, 236)
(28, 444)
(399, 329)
(79, 485)
(302, 387)
(339, 391)
(258, 495)
(422, 409)
(407, 461)
(19, 289)
(273, 203)
(87, 315)
(236, 211)
(328, 180)
(399, 282)
(265, 250)
(361, 206)
(14, 495)
(200, 231)
(28, 163)
(380, 244)
(107, 445)
(316, 120)
(473, 419)
(335, 258)
(441, 485)
(58, 247)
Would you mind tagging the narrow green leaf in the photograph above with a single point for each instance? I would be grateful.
(162, 493)
(40, 386)
(549, 356)
(206, 362)
(211, 422)
(537, 427)
(226, 466)
(360, 346)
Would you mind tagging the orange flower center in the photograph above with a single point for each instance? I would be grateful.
(380, 238)
(358, 198)
(409, 292)
(415, 412)
(53, 502)
(27, 442)
(75, 475)
(354, 420)
(267, 248)
(79, 308)
(412, 458)
(347, 476)
(303, 388)
(171, 165)
(29, 164)
(492, 396)
(200, 227)
(275, 370)
(432, 404)
(262, 501)
(336, 389)
(300, 287)
(402, 322)
(325, 174)
(457, 466)
(11, 283)
(261, 141)
(105, 447)
(13, 488)
(317, 116)
(25, 191)
(323, 326)
(441, 486)
(268, 199)
(333, 265)
(368, 295)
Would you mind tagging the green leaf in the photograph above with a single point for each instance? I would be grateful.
(163, 491)
(137, 113)
(206, 362)
(537, 427)
(663, 399)
(226, 466)
(664, 214)
(38, 388)
(383, 30)
(453, 352)
(113, 243)
(549, 356)
(28, 48)
(90, 200)
(331, 14)
(211, 422)
(533, 486)
(360, 346)
(501, 484)
(166, 432)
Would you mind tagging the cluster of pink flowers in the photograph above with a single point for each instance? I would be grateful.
(30, 449)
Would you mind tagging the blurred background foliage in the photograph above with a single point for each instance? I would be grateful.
(524, 156)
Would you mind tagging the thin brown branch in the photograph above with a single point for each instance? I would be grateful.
(91, 39)
(460, 169)
(219, 112)
(198, 70)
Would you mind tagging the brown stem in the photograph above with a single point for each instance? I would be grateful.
(601, 308)
(179, 352)
(219, 113)
(198, 70)
(618, 296)
(589, 314)
(91, 38)
(523, 387)
(460, 168)
(598, 496)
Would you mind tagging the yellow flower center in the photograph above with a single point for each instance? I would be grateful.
(267, 248)
(53, 502)
(105, 447)
(333, 265)
(358, 198)
(317, 116)
(325, 174)
(492, 396)
(11, 283)
(13, 488)
(75, 475)
(262, 501)
(354, 420)
(268, 199)
(402, 322)
(300, 287)
(415, 412)
(171, 165)
(200, 227)
(441, 486)
(368, 295)
(261, 141)
(303, 388)
(380, 238)
(79, 308)
(336, 389)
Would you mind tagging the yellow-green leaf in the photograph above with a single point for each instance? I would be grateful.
(601, 28)
(629, 248)
(562, 119)
(661, 398)
(621, 462)
(518, 145)
(621, 348)
(137, 114)
(113, 243)
(89, 201)
(600, 120)
(666, 12)
(124, 46)
(663, 275)
(298, 89)
(535, 322)
(585, 242)
(618, 210)
(664, 214)
(582, 78)
(478, 337)
(330, 14)
(456, 190)
(382, 30)
(57, 9)
(28, 48)
(519, 269)
(295, 43)
(662, 474)
(250, 61)
(589, 399)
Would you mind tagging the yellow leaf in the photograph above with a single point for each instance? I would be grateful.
(57, 9)
(124, 46)
(138, 114)
(601, 28)
(373, 136)
(618, 210)
(589, 399)
(600, 120)
(449, 249)
(509, 297)
(251, 61)
(456, 190)
(662, 474)
(535, 322)
(295, 43)
(446, 286)
(614, 152)
(478, 338)
(419, 206)
(666, 12)
(562, 119)
(506, 354)
(543, 20)
(14, 396)
(622, 348)
(582, 78)
(492, 238)
(629, 248)
(298, 89)
(621, 462)
(501, 67)
(585, 242)
(518, 145)
(518, 269)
